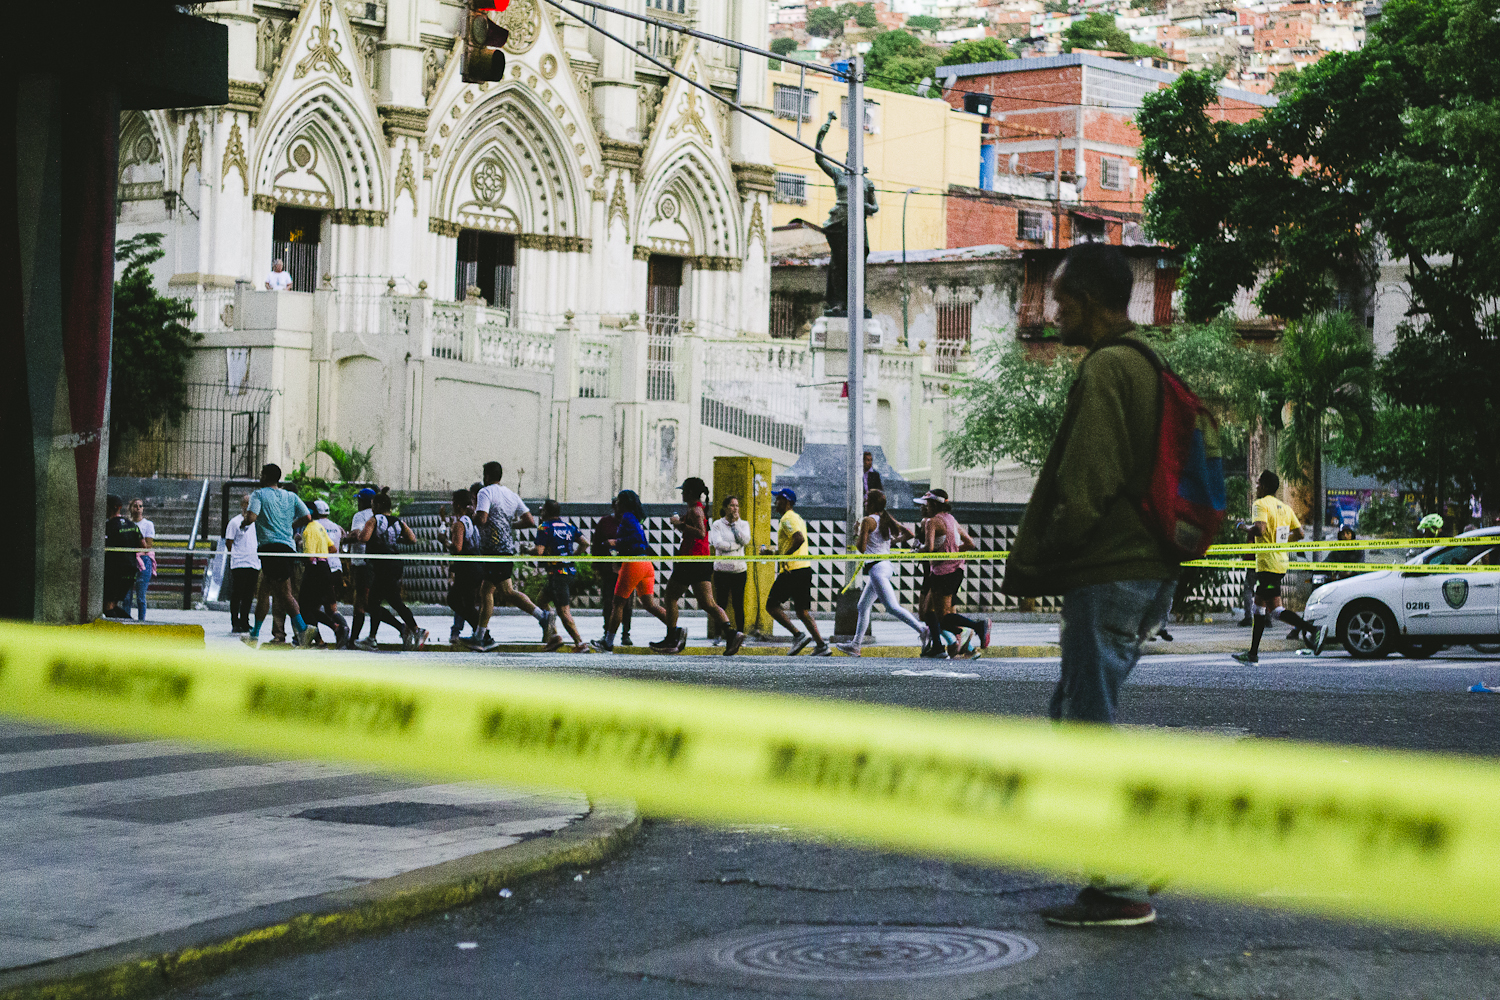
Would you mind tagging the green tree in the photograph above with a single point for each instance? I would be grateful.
(1099, 31)
(977, 50)
(1325, 382)
(1012, 406)
(825, 22)
(351, 464)
(784, 46)
(864, 14)
(150, 345)
(924, 22)
(1391, 149)
(898, 61)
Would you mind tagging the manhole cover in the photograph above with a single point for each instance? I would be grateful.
(856, 954)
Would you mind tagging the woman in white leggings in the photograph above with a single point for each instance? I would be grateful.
(877, 532)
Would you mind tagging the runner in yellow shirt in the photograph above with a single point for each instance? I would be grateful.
(794, 579)
(1275, 524)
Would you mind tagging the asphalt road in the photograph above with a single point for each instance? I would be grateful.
(650, 923)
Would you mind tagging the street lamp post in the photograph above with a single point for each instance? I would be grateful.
(905, 286)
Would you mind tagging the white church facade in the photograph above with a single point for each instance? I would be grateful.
(566, 271)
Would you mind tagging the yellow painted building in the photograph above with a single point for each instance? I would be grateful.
(910, 142)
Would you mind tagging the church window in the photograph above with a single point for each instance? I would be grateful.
(296, 238)
(489, 261)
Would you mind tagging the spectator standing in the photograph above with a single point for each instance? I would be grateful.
(278, 280)
(244, 568)
(277, 512)
(872, 478)
(728, 537)
(1081, 536)
(145, 560)
(120, 532)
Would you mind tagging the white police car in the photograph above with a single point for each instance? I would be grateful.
(1417, 614)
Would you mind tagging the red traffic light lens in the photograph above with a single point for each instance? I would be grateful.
(495, 5)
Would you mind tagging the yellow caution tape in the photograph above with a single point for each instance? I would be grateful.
(1404, 837)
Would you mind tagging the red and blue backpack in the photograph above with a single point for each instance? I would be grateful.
(1184, 504)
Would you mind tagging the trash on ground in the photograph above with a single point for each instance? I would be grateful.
(467, 945)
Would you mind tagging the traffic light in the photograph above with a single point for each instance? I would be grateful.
(484, 44)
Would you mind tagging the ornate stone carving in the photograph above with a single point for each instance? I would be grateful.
(324, 48)
(402, 121)
(443, 228)
(690, 119)
(369, 50)
(234, 156)
(650, 108)
(406, 179)
(548, 66)
(487, 181)
(246, 98)
(757, 227)
(642, 253)
(432, 66)
(563, 244)
(264, 203)
(523, 19)
(750, 177)
(618, 205)
(717, 263)
(192, 149)
(356, 217)
(270, 43)
(621, 154)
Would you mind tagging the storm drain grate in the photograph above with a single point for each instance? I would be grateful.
(863, 953)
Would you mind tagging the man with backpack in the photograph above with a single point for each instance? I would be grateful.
(1084, 535)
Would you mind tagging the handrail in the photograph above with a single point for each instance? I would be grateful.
(192, 542)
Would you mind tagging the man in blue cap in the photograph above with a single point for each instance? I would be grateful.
(364, 574)
(794, 579)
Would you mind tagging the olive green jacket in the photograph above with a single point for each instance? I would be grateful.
(1081, 527)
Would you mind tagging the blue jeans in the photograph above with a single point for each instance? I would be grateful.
(137, 592)
(1104, 627)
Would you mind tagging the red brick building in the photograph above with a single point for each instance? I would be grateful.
(1072, 114)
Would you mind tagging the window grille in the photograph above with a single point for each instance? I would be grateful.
(870, 114)
(787, 99)
(1031, 226)
(791, 189)
(1113, 175)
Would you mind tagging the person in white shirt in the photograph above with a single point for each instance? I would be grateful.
(498, 511)
(728, 537)
(145, 560)
(363, 572)
(278, 280)
(244, 567)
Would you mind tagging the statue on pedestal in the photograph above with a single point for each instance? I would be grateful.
(836, 229)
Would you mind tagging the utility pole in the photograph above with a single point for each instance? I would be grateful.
(855, 160)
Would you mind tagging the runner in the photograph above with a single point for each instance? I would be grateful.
(556, 537)
(318, 595)
(607, 572)
(695, 576)
(794, 577)
(728, 537)
(878, 531)
(244, 568)
(1274, 524)
(363, 571)
(943, 533)
(276, 512)
(381, 533)
(497, 512)
(635, 579)
(463, 592)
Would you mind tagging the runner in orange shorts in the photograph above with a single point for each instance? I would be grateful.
(636, 579)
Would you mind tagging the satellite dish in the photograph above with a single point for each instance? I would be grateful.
(1015, 162)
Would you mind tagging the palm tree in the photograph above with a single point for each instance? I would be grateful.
(352, 465)
(1325, 380)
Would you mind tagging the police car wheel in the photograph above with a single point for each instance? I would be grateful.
(1368, 631)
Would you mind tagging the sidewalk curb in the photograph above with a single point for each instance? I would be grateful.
(1043, 651)
(152, 965)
